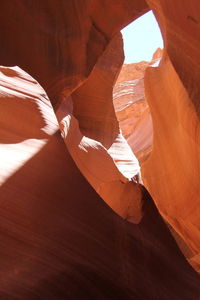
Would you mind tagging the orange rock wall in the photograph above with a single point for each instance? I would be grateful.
(172, 90)
(58, 238)
(93, 138)
(132, 109)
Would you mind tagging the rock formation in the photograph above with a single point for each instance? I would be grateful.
(132, 109)
(66, 40)
(93, 138)
(172, 91)
(59, 239)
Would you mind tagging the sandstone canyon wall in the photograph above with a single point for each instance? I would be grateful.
(93, 137)
(59, 239)
(172, 91)
(132, 109)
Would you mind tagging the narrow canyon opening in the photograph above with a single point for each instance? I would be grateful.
(143, 46)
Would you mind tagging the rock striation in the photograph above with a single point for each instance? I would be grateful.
(59, 239)
(131, 107)
(93, 138)
(172, 91)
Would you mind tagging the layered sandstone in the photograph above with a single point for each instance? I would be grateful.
(59, 239)
(131, 107)
(93, 138)
(172, 91)
(174, 174)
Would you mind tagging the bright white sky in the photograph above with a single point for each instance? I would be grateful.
(141, 39)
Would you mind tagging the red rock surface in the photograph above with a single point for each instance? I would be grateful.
(94, 139)
(172, 90)
(132, 109)
(58, 238)
(172, 143)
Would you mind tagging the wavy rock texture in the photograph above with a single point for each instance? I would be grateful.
(93, 138)
(132, 109)
(58, 239)
(172, 89)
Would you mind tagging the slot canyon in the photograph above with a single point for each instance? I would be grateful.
(99, 160)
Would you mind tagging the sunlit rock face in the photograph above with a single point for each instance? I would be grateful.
(27, 120)
(172, 90)
(132, 109)
(94, 140)
(58, 238)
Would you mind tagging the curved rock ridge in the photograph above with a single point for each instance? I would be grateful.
(132, 109)
(19, 106)
(94, 140)
(172, 90)
(58, 238)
